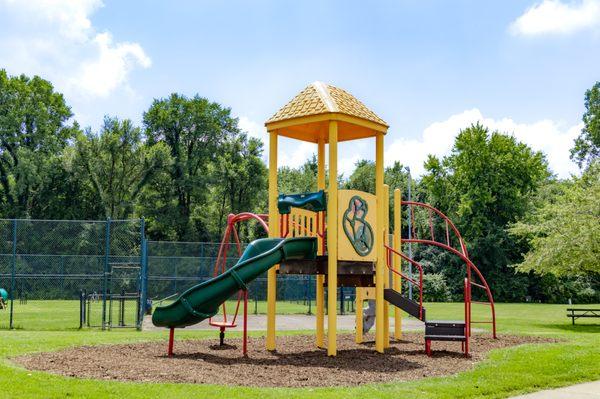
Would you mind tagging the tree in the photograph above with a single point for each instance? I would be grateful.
(240, 181)
(119, 165)
(67, 193)
(587, 145)
(486, 183)
(298, 180)
(33, 134)
(564, 232)
(193, 129)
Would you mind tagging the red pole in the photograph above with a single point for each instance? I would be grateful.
(171, 337)
(467, 316)
(245, 344)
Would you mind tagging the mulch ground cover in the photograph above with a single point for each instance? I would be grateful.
(296, 363)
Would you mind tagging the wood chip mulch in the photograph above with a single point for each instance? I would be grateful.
(296, 363)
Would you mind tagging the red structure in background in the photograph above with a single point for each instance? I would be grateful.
(221, 266)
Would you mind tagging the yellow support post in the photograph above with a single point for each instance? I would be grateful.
(320, 297)
(332, 223)
(380, 268)
(358, 336)
(386, 240)
(397, 261)
(273, 232)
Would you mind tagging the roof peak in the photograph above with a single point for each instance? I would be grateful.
(321, 98)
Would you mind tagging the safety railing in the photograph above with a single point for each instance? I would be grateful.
(419, 283)
(461, 252)
(303, 223)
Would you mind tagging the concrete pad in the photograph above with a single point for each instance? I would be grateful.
(588, 390)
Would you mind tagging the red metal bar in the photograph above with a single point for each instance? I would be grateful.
(431, 225)
(414, 262)
(413, 204)
(467, 298)
(462, 253)
(477, 285)
(171, 338)
(470, 266)
(412, 220)
(447, 234)
(221, 263)
(245, 344)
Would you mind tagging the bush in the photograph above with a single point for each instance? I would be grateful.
(435, 288)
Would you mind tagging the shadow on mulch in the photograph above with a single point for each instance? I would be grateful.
(296, 363)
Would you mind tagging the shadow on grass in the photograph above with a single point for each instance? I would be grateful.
(577, 328)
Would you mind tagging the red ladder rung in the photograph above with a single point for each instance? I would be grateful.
(481, 303)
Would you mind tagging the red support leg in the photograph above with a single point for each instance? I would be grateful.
(245, 344)
(428, 347)
(171, 337)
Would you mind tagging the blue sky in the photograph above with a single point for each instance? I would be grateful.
(427, 68)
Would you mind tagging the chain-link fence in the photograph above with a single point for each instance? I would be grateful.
(45, 265)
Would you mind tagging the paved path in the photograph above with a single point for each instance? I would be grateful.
(588, 390)
(291, 322)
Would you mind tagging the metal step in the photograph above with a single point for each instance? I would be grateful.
(409, 306)
(445, 337)
(445, 330)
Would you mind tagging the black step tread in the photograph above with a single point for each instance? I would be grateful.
(409, 306)
(446, 337)
(446, 322)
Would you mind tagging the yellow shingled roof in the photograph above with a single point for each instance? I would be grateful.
(321, 98)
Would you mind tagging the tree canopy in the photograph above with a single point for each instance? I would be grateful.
(33, 134)
(587, 145)
(564, 232)
(486, 183)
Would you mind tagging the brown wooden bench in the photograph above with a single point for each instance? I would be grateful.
(576, 313)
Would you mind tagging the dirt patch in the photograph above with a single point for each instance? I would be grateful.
(296, 363)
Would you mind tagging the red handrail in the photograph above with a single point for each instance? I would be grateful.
(467, 290)
(462, 253)
(419, 284)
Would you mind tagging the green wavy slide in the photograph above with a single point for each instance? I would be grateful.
(203, 300)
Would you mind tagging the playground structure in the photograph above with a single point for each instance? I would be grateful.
(3, 298)
(341, 236)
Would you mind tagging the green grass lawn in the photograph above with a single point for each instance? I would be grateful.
(506, 372)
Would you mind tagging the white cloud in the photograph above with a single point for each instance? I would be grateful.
(547, 136)
(57, 40)
(254, 129)
(557, 17)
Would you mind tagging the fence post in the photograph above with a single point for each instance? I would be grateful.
(13, 270)
(106, 271)
(143, 277)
